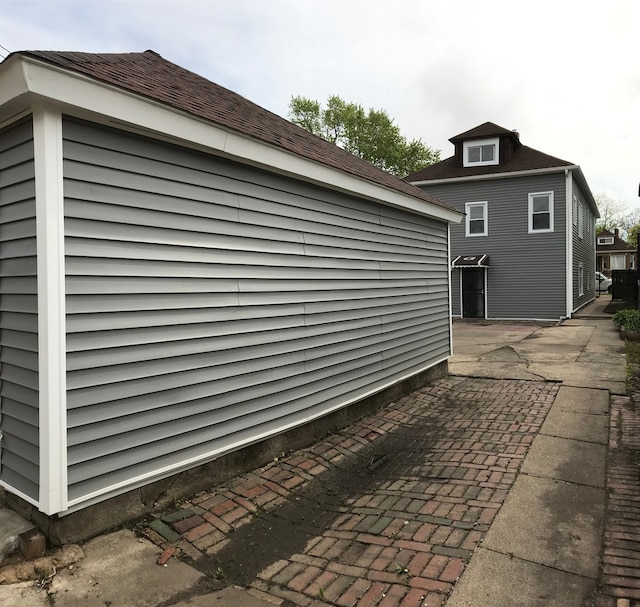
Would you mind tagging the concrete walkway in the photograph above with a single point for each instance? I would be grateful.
(495, 475)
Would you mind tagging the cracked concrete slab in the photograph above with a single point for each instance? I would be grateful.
(500, 580)
(582, 400)
(109, 559)
(587, 353)
(579, 426)
(552, 523)
(566, 459)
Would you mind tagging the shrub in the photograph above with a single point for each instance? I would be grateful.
(628, 318)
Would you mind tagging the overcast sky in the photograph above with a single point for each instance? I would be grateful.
(565, 74)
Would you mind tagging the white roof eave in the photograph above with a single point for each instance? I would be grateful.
(86, 97)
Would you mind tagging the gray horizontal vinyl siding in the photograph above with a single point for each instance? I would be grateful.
(527, 274)
(19, 457)
(211, 304)
(583, 250)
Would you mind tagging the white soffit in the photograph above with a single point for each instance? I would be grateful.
(86, 97)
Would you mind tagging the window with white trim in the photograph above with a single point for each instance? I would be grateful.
(540, 212)
(575, 210)
(476, 218)
(604, 240)
(580, 220)
(580, 279)
(481, 152)
(618, 262)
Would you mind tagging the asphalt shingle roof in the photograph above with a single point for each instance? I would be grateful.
(153, 77)
(488, 129)
(523, 158)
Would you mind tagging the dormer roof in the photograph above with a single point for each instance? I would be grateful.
(514, 157)
(618, 243)
(488, 129)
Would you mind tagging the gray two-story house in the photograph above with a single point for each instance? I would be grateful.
(526, 249)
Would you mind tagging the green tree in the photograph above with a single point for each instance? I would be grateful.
(632, 235)
(371, 135)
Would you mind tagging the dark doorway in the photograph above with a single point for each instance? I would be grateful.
(473, 293)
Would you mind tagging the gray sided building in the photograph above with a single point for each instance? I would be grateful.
(526, 249)
(185, 275)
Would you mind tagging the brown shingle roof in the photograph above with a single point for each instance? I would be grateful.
(522, 158)
(151, 76)
(618, 243)
(488, 129)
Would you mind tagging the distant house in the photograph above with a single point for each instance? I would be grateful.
(185, 274)
(526, 249)
(613, 253)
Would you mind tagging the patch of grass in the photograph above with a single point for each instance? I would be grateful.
(627, 318)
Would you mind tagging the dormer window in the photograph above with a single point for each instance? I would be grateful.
(481, 152)
(605, 240)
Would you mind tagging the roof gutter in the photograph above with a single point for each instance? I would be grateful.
(496, 175)
(571, 167)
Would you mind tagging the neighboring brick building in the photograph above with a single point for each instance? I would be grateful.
(613, 253)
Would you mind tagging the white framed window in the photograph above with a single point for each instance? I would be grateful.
(580, 220)
(476, 219)
(575, 210)
(618, 262)
(481, 152)
(604, 240)
(580, 279)
(540, 212)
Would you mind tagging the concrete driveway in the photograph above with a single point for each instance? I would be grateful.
(586, 353)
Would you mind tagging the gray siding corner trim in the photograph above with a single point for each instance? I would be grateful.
(19, 389)
(210, 305)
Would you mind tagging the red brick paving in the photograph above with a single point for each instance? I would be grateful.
(406, 541)
(620, 566)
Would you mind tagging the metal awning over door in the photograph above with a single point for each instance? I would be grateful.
(470, 261)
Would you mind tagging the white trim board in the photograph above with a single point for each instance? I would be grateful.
(86, 97)
(47, 137)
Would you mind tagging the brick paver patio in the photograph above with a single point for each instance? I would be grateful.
(386, 512)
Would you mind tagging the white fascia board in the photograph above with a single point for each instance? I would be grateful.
(14, 92)
(80, 94)
(47, 140)
(12, 81)
(495, 176)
